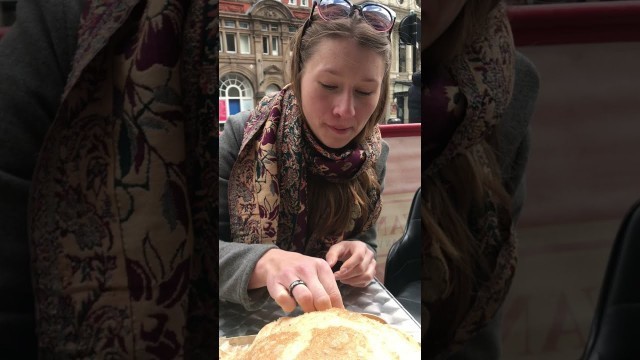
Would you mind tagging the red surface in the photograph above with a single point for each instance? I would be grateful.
(400, 130)
(573, 23)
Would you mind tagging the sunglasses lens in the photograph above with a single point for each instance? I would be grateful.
(377, 16)
(334, 9)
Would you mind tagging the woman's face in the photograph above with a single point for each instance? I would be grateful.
(340, 88)
(437, 15)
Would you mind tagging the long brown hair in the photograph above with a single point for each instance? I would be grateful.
(331, 205)
(454, 196)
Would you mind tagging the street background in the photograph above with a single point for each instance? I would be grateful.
(583, 175)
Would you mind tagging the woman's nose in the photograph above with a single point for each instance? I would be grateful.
(343, 106)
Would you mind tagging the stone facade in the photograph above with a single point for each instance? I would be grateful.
(254, 49)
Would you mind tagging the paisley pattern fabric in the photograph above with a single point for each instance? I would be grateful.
(122, 218)
(268, 182)
(484, 75)
(445, 107)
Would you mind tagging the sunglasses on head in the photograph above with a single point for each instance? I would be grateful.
(379, 16)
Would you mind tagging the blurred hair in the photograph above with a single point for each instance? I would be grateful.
(455, 196)
(331, 204)
(455, 201)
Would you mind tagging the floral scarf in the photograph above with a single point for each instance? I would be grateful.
(484, 75)
(444, 105)
(268, 181)
(122, 213)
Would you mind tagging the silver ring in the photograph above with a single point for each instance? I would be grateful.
(294, 284)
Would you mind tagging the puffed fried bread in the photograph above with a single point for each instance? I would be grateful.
(330, 334)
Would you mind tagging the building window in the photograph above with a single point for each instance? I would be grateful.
(292, 2)
(402, 57)
(236, 94)
(272, 88)
(304, 3)
(271, 43)
(274, 46)
(265, 27)
(229, 23)
(243, 25)
(400, 103)
(231, 42)
(292, 28)
(245, 44)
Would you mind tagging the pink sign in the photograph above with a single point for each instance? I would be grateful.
(222, 110)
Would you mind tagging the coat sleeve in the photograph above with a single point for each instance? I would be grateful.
(514, 132)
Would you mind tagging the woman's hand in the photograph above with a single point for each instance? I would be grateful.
(277, 269)
(359, 265)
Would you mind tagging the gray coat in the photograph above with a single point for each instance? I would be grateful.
(35, 59)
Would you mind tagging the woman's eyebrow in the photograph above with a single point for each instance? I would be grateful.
(336, 73)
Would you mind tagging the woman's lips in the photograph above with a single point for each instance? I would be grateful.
(340, 131)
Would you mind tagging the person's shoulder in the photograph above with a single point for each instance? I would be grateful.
(416, 78)
(240, 117)
(237, 121)
(233, 131)
(385, 148)
(384, 154)
(527, 76)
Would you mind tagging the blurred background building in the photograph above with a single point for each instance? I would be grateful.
(254, 52)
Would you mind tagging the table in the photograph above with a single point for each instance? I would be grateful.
(374, 299)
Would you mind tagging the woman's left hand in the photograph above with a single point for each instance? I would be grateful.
(359, 263)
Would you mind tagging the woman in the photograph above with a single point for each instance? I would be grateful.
(470, 178)
(304, 171)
